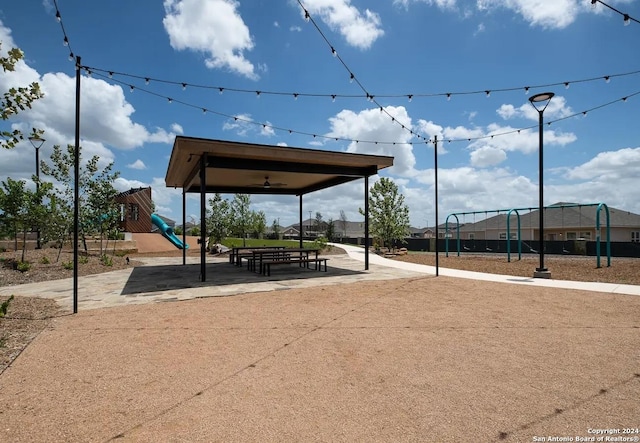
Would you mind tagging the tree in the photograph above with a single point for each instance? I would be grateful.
(317, 223)
(275, 227)
(22, 209)
(343, 223)
(15, 99)
(258, 223)
(241, 216)
(388, 213)
(96, 206)
(330, 233)
(218, 219)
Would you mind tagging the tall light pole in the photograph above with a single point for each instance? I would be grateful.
(37, 142)
(543, 101)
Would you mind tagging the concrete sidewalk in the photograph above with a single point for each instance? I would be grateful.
(357, 253)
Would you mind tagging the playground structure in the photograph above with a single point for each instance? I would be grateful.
(167, 232)
(511, 211)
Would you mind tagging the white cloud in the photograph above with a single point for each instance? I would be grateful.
(177, 128)
(360, 29)
(295, 29)
(487, 156)
(283, 144)
(276, 24)
(609, 166)
(442, 4)
(373, 125)
(213, 27)
(555, 14)
(138, 164)
(104, 112)
(243, 125)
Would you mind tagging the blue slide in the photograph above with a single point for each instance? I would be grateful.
(167, 232)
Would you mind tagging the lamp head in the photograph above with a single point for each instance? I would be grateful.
(544, 96)
(541, 98)
(36, 141)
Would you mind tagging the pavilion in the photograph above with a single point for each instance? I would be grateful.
(199, 165)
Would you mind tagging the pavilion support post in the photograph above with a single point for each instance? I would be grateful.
(184, 226)
(203, 214)
(301, 221)
(366, 223)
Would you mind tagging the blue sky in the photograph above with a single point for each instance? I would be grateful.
(393, 47)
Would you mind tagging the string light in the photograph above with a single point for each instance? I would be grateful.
(184, 86)
(65, 38)
(413, 95)
(626, 18)
(607, 79)
(393, 119)
(566, 85)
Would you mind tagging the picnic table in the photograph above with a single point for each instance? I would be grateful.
(237, 253)
(262, 259)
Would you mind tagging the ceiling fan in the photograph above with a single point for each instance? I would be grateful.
(267, 184)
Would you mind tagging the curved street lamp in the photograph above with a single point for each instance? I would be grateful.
(543, 99)
(37, 142)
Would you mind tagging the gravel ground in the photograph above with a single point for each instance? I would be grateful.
(622, 270)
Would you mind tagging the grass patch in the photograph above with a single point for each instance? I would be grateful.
(68, 265)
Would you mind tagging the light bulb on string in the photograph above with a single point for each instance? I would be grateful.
(593, 4)
(333, 98)
(307, 17)
(221, 90)
(566, 85)
(110, 74)
(146, 81)
(627, 20)
(71, 57)
(334, 52)
(488, 93)
(58, 17)
(184, 86)
(65, 42)
(410, 97)
(204, 110)
(607, 79)
(170, 100)
(131, 88)
(526, 90)
(351, 77)
(295, 96)
(258, 94)
(448, 96)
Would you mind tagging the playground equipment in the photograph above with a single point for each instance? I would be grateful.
(167, 232)
(599, 207)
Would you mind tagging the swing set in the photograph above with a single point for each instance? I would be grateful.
(509, 212)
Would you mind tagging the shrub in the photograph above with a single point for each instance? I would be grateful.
(68, 265)
(106, 260)
(45, 260)
(5, 306)
(320, 243)
(83, 259)
(24, 266)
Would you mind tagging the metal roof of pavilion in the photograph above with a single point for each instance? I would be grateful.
(233, 167)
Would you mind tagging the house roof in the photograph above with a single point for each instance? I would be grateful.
(131, 191)
(233, 167)
(558, 217)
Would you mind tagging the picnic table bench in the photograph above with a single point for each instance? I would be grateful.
(265, 267)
